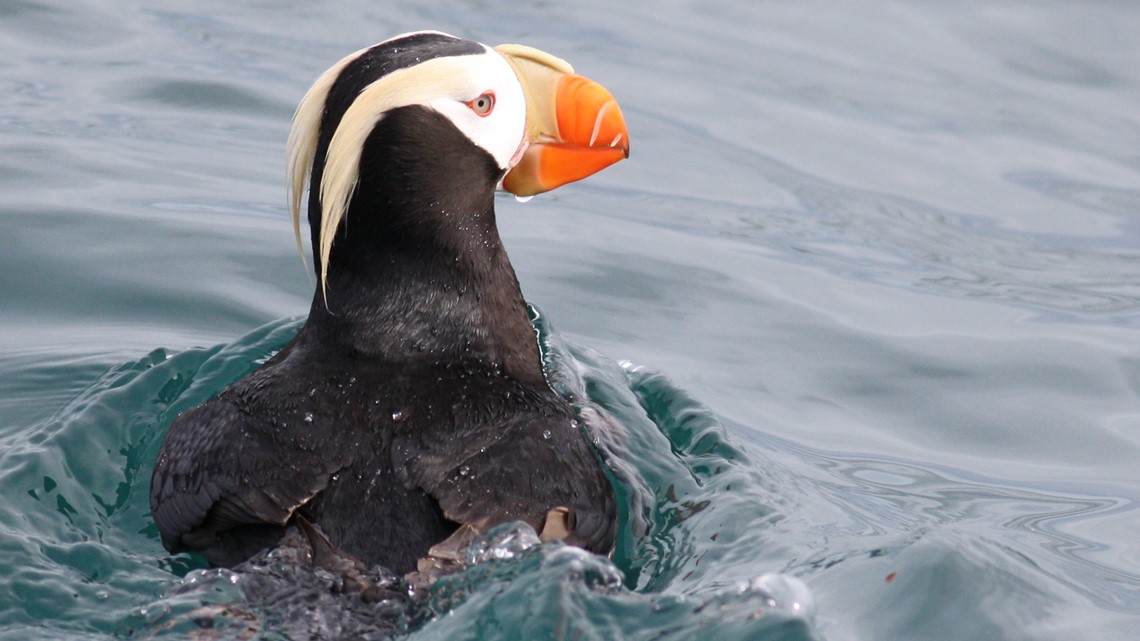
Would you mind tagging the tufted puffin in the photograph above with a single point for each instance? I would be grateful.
(411, 411)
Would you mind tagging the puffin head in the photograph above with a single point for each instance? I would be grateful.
(427, 122)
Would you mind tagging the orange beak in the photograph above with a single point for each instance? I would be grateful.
(574, 126)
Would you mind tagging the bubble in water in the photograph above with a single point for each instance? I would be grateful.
(504, 541)
(155, 613)
(784, 593)
(464, 470)
(308, 417)
(207, 577)
(546, 434)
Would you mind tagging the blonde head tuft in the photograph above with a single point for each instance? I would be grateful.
(303, 136)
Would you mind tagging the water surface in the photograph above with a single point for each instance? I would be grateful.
(867, 295)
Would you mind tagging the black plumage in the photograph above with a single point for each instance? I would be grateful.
(413, 400)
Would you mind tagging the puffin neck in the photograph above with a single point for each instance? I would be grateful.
(418, 275)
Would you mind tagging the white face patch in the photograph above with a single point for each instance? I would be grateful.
(501, 131)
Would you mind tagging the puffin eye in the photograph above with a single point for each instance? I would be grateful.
(484, 104)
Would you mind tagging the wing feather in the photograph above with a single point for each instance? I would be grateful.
(220, 484)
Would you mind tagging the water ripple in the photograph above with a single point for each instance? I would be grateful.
(900, 242)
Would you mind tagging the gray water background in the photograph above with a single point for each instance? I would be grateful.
(893, 245)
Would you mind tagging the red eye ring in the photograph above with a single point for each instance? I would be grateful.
(483, 105)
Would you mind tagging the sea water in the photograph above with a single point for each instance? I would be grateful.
(866, 297)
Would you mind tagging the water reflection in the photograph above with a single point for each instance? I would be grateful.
(895, 505)
(906, 243)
